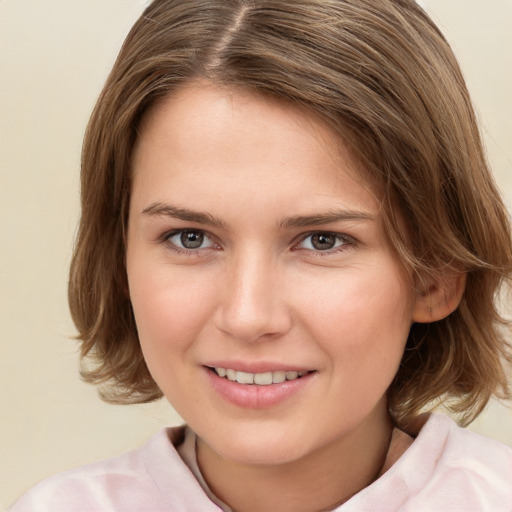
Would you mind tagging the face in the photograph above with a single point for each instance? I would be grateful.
(270, 310)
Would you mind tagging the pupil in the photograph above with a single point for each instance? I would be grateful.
(192, 239)
(323, 241)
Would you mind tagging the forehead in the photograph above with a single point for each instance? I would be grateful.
(200, 110)
(234, 153)
(204, 124)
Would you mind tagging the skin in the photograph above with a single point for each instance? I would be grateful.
(259, 291)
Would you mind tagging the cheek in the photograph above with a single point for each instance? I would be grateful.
(360, 316)
(362, 327)
(170, 308)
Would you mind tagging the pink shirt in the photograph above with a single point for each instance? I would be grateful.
(446, 468)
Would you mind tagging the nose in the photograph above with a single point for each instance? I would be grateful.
(253, 305)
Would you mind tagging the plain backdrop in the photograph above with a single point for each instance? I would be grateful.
(54, 58)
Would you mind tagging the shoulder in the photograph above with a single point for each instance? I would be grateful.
(459, 469)
(445, 468)
(466, 450)
(130, 482)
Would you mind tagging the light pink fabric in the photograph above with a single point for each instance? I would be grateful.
(446, 469)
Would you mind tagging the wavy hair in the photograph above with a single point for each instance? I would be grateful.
(384, 79)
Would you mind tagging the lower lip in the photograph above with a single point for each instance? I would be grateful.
(253, 396)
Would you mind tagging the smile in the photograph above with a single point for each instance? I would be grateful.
(259, 390)
(259, 379)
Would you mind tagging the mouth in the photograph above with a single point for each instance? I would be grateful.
(263, 389)
(259, 379)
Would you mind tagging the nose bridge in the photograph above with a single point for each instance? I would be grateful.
(253, 303)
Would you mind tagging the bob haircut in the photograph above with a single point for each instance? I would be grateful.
(385, 81)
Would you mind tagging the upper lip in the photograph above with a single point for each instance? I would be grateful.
(257, 367)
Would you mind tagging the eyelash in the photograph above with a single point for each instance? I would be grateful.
(347, 242)
(184, 250)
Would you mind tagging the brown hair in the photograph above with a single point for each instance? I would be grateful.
(385, 80)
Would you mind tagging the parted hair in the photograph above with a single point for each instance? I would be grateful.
(383, 78)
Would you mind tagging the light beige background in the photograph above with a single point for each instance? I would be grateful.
(54, 57)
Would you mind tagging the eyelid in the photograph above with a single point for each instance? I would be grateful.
(165, 238)
(348, 241)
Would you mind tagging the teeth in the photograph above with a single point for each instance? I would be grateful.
(261, 379)
(278, 377)
(245, 378)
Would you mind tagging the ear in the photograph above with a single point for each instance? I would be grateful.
(438, 296)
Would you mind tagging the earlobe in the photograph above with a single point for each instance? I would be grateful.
(439, 298)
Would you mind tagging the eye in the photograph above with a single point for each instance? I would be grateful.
(324, 241)
(190, 239)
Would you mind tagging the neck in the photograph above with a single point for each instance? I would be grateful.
(321, 480)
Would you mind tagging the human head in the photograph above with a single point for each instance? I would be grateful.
(385, 81)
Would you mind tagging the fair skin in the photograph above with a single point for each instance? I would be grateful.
(255, 246)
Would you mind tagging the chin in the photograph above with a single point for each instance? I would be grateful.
(256, 455)
(260, 446)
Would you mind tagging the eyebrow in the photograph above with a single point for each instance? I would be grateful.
(176, 212)
(296, 221)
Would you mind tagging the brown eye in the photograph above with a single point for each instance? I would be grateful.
(323, 241)
(191, 239)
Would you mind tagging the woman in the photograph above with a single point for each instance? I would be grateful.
(289, 229)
